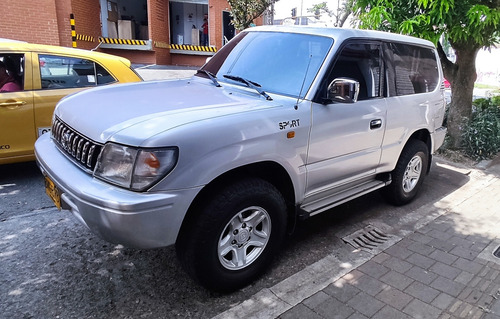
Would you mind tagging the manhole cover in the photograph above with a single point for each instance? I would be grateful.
(367, 238)
(496, 253)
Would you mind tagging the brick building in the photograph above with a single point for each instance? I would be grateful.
(165, 32)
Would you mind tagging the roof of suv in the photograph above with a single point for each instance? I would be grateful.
(343, 33)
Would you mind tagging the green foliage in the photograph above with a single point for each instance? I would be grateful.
(320, 8)
(465, 22)
(481, 137)
(341, 14)
(244, 12)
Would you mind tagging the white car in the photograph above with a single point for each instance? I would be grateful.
(282, 123)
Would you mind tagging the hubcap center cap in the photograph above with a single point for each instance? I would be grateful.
(243, 236)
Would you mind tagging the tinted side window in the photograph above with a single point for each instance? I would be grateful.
(360, 62)
(413, 70)
(103, 76)
(65, 72)
(14, 65)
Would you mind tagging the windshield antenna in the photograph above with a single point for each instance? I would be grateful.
(303, 82)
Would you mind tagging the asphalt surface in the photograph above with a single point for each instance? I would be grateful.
(53, 267)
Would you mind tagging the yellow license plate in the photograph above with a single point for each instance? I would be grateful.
(53, 192)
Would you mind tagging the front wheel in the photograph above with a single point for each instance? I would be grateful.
(235, 236)
(409, 173)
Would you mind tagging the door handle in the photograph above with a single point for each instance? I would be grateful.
(374, 124)
(16, 103)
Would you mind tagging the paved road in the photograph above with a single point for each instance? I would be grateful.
(51, 266)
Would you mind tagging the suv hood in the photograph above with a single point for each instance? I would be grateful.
(142, 110)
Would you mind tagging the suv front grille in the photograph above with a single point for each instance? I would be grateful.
(81, 149)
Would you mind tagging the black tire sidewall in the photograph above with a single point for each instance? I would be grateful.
(395, 192)
(202, 247)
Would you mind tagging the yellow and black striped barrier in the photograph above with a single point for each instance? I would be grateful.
(86, 38)
(188, 47)
(122, 41)
(73, 30)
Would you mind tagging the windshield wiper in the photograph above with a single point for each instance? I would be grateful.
(253, 85)
(211, 76)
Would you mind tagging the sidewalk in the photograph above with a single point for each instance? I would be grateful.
(444, 268)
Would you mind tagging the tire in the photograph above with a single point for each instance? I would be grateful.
(409, 173)
(235, 236)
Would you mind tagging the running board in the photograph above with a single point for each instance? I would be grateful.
(336, 199)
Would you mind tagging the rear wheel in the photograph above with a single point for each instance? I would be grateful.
(409, 173)
(235, 236)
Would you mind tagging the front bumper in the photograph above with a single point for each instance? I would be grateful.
(142, 220)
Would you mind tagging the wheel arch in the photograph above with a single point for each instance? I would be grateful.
(269, 171)
(424, 136)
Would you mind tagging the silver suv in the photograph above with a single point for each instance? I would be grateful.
(281, 124)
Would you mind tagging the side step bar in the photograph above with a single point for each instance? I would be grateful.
(336, 199)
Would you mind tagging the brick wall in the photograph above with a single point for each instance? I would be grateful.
(63, 10)
(139, 57)
(87, 21)
(48, 22)
(188, 60)
(31, 21)
(158, 16)
(215, 8)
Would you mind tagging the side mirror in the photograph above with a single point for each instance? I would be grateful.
(343, 90)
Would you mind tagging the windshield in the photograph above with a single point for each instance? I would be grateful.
(282, 63)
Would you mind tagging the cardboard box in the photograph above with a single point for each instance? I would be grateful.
(126, 29)
(112, 31)
(195, 37)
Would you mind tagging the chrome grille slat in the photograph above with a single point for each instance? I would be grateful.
(76, 146)
(79, 149)
(85, 148)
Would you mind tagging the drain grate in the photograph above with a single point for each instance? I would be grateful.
(368, 238)
(496, 253)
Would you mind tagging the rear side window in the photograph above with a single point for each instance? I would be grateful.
(411, 69)
(14, 65)
(66, 72)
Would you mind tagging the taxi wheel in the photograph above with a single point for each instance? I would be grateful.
(409, 174)
(235, 236)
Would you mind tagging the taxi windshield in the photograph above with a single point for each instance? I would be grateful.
(280, 63)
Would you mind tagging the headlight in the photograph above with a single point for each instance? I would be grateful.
(134, 168)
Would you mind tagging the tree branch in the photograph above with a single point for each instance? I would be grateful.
(449, 68)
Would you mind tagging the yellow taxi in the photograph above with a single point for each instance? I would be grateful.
(33, 78)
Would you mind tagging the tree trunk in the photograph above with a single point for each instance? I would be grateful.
(461, 75)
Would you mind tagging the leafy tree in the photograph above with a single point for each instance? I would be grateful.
(244, 12)
(468, 25)
(340, 15)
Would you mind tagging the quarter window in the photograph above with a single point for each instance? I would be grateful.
(64, 72)
(412, 69)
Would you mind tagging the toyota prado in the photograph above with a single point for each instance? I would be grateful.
(281, 124)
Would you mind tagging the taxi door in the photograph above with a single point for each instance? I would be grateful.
(45, 97)
(17, 134)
